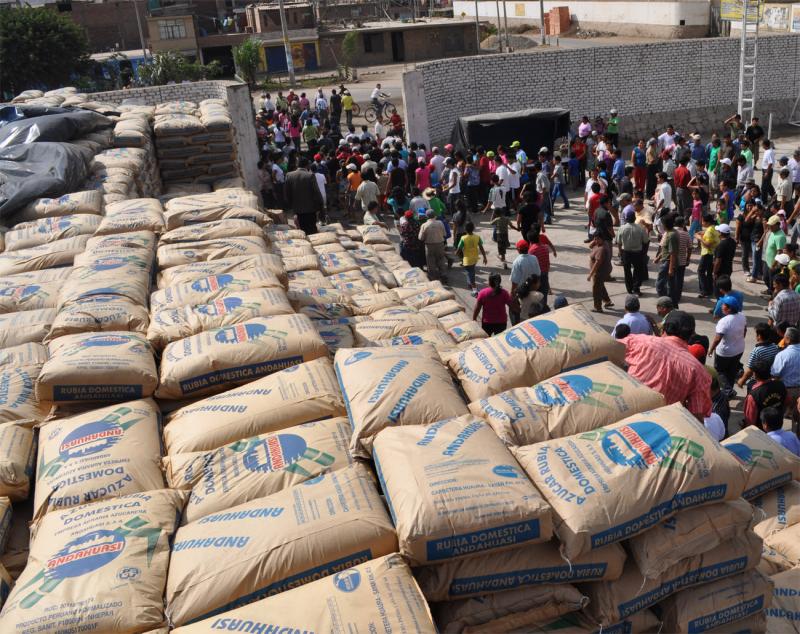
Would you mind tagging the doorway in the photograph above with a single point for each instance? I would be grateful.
(398, 47)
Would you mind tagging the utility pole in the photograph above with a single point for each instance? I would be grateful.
(505, 21)
(499, 28)
(286, 46)
(141, 33)
(541, 17)
(477, 29)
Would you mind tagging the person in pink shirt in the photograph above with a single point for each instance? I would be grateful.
(423, 175)
(493, 303)
(584, 128)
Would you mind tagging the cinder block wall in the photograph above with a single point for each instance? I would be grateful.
(240, 105)
(690, 83)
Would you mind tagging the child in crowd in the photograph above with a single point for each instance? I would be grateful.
(621, 331)
(766, 392)
(529, 297)
(772, 423)
(697, 213)
(501, 223)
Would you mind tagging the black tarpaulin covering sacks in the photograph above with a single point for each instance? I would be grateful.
(63, 126)
(37, 170)
(532, 128)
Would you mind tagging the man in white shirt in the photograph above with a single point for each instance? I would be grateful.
(515, 170)
(379, 131)
(437, 160)
(376, 95)
(666, 139)
(322, 105)
(794, 170)
(663, 195)
(543, 191)
(767, 169)
(269, 105)
(504, 174)
(321, 184)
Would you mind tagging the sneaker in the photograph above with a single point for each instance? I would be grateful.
(750, 279)
(474, 292)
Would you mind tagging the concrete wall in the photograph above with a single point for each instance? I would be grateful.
(240, 105)
(639, 80)
(109, 24)
(663, 19)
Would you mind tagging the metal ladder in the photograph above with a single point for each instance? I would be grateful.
(748, 56)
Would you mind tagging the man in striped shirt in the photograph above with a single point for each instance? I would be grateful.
(684, 255)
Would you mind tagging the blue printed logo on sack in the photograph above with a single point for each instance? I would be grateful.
(240, 333)
(532, 334)
(357, 356)
(741, 451)
(407, 340)
(641, 445)
(19, 292)
(212, 283)
(563, 390)
(220, 306)
(108, 263)
(85, 554)
(347, 580)
(275, 453)
(102, 341)
(506, 471)
(90, 438)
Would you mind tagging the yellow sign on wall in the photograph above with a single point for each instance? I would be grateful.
(519, 10)
(733, 10)
(298, 59)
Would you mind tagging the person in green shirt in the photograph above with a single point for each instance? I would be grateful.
(747, 152)
(437, 205)
(470, 247)
(667, 282)
(612, 127)
(713, 163)
(310, 134)
(774, 242)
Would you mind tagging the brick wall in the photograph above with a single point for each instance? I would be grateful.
(691, 83)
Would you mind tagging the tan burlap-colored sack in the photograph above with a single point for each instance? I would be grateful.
(172, 324)
(106, 367)
(182, 217)
(215, 200)
(257, 466)
(783, 547)
(208, 289)
(377, 596)
(218, 359)
(294, 248)
(778, 509)
(276, 543)
(644, 622)
(617, 481)
(15, 299)
(610, 602)
(22, 355)
(331, 263)
(442, 309)
(301, 263)
(569, 403)
(45, 256)
(25, 327)
(466, 331)
(493, 507)
(101, 567)
(35, 277)
(437, 338)
(85, 202)
(17, 460)
(32, 234)
(180, 253)
(215, 230)
(18, 399)
(769, 464)
(105, 453)
(520, 568)
(277, 234)
(689, 533)
(297, 395)
(717, 604)
(533, 351)
(428, 297)
(124, 278)
(124, 242)
(99, 313)
(384, 326)
(783, 617)
(237, 264)
(135, 214)
(386, 387)
(514, 610)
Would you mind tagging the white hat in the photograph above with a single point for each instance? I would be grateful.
(725, 161)
(723, 228)
(352, 166)
(342, 142)
(613, 111)
(782, 259)
(543, 150)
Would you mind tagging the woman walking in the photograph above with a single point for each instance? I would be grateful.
(493, 303)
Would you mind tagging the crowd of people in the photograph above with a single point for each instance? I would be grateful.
(672, 200)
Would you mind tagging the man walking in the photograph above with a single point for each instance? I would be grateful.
(432, 235)
(303, 196)
(631, 239)
(666, 283)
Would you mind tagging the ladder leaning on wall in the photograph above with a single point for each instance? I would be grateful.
(748, 57)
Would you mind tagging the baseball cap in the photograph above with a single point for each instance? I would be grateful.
(318, 157)
(490, 154)
(773, 220)
(523, 244)
(782, 259)
(730, 300)
(543, 150)
(698, 352)
(342, 142)
(352, 166)
(724, 228)
(514, 145)
(664, 302)
(448, 147)
(726, 161)
(409, 214)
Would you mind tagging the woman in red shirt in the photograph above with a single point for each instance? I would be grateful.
(541, 247)
(493, 301)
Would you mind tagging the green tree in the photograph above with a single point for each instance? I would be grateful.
(39, 48)
(169, 66)
(349, 52)
(247, 57)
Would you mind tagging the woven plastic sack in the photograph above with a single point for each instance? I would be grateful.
(191, 272)
(769, 464)
(85, 202)
(209, 289)
(494, 507)
(32, 234)
(219, 359)
(385, 387)
(520, 568)
(778, 509)
(379, 595)
(533, 351)
(105, 453)
(617, 481)
(132, 215)
(25, 327)
(506, 611)
(717, 604)
(569, 403)
(257, 466)
(276, 543)
(99, 313)
(689, 533)
(611, 602)
(218, 229)
(97, 367)
(300, 394)
(172, 324)
(102, 565)
(17, 460)
(45, 256)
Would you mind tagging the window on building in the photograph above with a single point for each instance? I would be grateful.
(171, 29)
(373, 42)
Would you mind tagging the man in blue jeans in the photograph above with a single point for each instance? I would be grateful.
(667, 283)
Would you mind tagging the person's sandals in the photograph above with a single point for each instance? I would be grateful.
(608, 304)
(597, 310)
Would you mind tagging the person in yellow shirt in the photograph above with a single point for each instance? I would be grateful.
(705, 270)
(470, 247)
(347, 106)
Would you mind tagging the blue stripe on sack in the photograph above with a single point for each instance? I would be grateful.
(379, 471)
(257, 370)
(766, 486)
(105, 393)
(482, 540)
(484, 584)
(344, 395)
(733, 613)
